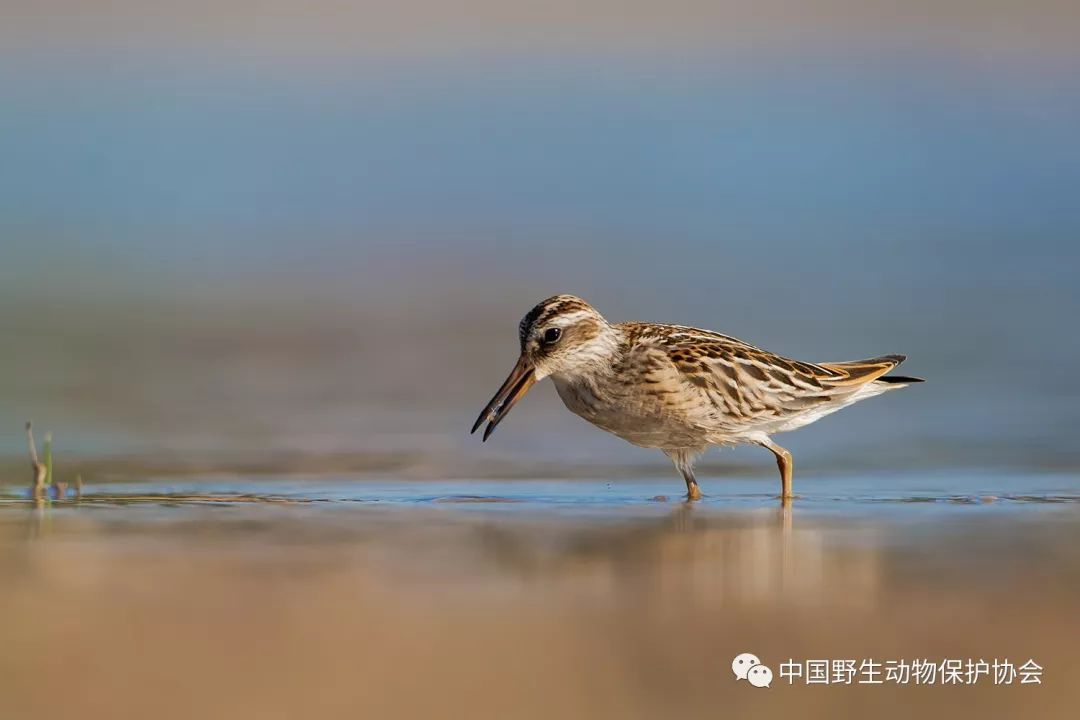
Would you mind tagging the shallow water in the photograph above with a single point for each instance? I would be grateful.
(856, 492)
(269, 597)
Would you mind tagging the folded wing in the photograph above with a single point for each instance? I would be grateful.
(742, 386)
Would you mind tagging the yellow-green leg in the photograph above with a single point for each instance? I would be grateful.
(786, 466)
(684, 463)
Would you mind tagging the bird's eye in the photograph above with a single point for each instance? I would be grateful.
(552, 335)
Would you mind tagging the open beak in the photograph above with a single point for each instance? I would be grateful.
(521, 379)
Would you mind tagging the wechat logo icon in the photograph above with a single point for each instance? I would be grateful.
(747, 666)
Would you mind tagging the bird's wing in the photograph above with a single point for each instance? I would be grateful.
(860, 372)
(745, 384)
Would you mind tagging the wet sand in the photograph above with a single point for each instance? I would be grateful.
(338, 598)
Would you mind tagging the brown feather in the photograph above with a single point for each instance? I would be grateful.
(860, 372)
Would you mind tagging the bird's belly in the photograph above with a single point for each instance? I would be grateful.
(633, 419)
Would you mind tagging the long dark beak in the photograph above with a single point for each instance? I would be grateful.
(521, 379)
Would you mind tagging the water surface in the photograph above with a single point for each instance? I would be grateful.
(346, 597)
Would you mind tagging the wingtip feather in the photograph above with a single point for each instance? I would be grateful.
(899, 380)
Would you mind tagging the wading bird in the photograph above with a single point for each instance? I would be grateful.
(679, 389)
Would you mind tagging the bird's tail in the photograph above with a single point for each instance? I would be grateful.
(866, 378)
(857, 373)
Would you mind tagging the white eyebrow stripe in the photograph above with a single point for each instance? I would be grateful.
(570, 318)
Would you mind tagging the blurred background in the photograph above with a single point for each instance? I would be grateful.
(258, 229)
(247, 238)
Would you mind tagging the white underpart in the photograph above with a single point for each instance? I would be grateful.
(814, 414)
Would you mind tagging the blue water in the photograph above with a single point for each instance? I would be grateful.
(889, 495)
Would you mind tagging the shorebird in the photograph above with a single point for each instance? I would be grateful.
(679, 389)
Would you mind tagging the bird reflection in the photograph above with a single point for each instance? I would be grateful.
(691, 553)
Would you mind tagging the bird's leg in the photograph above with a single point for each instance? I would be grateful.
(784, 462)
(684, 463)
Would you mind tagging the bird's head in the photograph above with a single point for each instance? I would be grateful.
(562, 336)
